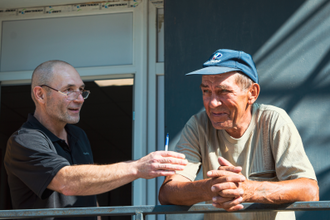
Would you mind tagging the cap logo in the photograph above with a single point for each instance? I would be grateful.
(216, 58)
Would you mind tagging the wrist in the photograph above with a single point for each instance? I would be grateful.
(208, 189)
(133, 169)
(249, 187)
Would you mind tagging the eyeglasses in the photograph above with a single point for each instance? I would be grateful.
(72, 95)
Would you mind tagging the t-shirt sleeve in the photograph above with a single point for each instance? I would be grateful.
(189, 146)
(31, 159)
(291, 161)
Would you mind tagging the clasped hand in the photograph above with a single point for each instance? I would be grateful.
(227, 186)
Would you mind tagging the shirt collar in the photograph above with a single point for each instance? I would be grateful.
(33, 123)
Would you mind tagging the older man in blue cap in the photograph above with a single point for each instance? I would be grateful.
(249, 152)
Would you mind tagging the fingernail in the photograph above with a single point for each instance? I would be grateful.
(209, 173)
(212, 188)
(243, 179)
(241, 192)
(214, 199)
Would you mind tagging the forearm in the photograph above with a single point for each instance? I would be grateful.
(92, 179)
(95, 179)
(184, 193)
(280, 192)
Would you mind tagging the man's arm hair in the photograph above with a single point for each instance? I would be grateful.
(227, 188)
(91, 179)
(96, 179)
(178, 190)
(287, 191)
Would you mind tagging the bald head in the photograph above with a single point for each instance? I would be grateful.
(43, 74)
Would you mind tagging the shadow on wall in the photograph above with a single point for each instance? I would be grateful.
(294, 67)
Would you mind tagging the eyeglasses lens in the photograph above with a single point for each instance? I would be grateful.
(75, 95)
(85, 94)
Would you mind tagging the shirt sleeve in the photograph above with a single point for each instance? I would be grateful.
(30, 158)
(189, 146)
(291, 161)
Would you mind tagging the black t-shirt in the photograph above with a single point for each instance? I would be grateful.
(33, 157)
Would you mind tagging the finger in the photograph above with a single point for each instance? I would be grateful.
(235, 178)
(171, 160)
(223, 186)
(158, 173)
(166, 166)
(229, 193)
(172, 154)
(222, 173)
(233, 205)
(223, 162)
(229, 205)
(162, 173)
(220, 200)
(231, 168)
(235, 208)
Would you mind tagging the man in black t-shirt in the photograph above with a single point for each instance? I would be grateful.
(49, 161)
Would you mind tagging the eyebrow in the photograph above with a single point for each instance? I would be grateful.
(73, 85)
(203, 86)
(222, 87)
(218, 87)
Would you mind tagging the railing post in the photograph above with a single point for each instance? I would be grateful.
(139, 216)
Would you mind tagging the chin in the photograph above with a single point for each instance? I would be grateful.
(73, 120)
(221, 126)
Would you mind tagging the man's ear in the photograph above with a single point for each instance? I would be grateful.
(39, 94)
(254, 92)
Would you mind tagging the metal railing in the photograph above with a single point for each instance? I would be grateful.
(141, 211)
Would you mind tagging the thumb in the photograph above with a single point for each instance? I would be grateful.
(223, 162)
(225, 165)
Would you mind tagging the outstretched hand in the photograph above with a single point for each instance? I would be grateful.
(160, 163)
(226, 185)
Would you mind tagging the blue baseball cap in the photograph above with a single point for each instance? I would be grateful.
(224, 61)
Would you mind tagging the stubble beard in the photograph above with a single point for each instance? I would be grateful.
(64, 115)
(70, 119)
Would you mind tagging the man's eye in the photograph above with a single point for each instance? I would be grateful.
(206, 91)
(69, 90)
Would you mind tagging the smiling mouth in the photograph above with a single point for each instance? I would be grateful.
(219, 113)
(74, 109)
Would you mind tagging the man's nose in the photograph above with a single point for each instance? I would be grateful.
(215, 102)
(79, 99)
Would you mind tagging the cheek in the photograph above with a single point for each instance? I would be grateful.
(204, 100)
(57, 106)
(206, 103)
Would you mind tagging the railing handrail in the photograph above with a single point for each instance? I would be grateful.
(140, 211)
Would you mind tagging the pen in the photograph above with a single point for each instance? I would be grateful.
(166, 142)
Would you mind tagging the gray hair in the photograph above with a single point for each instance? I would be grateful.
(243, 81)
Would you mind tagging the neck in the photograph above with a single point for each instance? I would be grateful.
(54, 126)
(239, 130)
